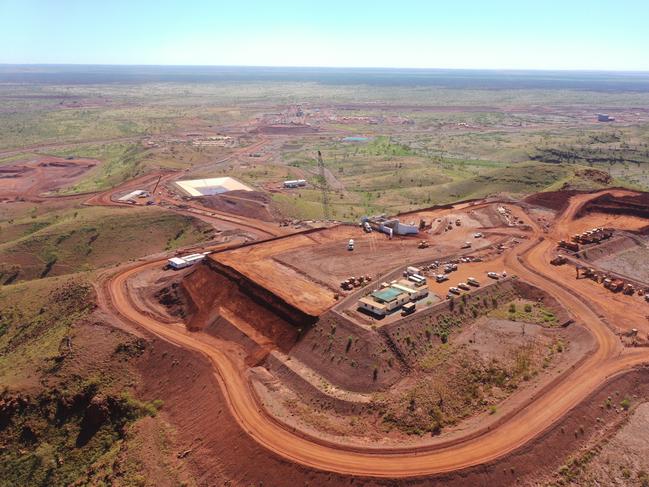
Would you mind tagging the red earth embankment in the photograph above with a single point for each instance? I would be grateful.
(631, 205)
(249, 204)
(219, 294)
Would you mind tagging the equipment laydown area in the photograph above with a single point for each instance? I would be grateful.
(507, 331)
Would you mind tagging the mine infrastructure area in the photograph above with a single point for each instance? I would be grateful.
(256, 310)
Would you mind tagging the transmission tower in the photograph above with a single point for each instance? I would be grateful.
(324, 187)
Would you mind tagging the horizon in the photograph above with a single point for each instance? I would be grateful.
(394, 68)
(589, 80)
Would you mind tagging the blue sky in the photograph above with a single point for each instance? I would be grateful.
(499, 34)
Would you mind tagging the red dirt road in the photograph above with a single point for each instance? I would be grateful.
(530, 262)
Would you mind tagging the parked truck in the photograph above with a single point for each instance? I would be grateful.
(564, 244)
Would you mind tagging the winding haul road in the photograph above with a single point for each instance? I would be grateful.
(530, 261)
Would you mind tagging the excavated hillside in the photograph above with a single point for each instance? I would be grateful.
(636, 205)
(227, 304)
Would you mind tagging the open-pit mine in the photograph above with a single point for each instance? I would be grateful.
(487, 329)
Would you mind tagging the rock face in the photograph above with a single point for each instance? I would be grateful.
(215, 292)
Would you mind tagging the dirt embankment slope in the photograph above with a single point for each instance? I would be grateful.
(349, 356)
(632, 205)
(218, 295)
(249, 204)
(219, 451)
(555, 200)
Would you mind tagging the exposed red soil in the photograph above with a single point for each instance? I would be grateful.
(216, 297)
(508, 433)
(632, 205)
(306, 269)
(250, 204)
(323, 346)
(221, 452)
(555, 200)
(27, 180)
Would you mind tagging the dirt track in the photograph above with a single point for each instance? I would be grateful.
(530, 262)
(253, 226)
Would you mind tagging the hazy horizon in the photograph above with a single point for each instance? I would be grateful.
(602, 81)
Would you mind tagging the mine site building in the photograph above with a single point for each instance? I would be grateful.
(384, 301)
(296, 183)
(390, 226)
(413, 293)
(138, 193)
(186, 261)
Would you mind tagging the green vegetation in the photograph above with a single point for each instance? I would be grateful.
(35, 318)
(56, 437)
(88, 238)
(119, 162)
(456, 382)
(61, 419)
(526, 312)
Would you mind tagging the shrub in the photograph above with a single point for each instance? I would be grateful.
(528, 308)
(512, 308)
(625, 404)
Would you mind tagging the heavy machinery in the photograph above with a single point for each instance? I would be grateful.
(423, 244)
(596, 235)
(569, 245)
(616, 285)
(629, 289)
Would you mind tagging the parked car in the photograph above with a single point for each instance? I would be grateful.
(493, 275)
(454, 290)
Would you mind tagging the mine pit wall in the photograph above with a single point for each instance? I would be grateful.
(221, 328)
(626, 205)
(364, 364)
(414, 335)
(263, 296)
(212, 288)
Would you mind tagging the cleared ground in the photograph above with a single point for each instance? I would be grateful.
(306, 269)
(30, 178)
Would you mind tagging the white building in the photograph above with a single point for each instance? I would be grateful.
(186, 261)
